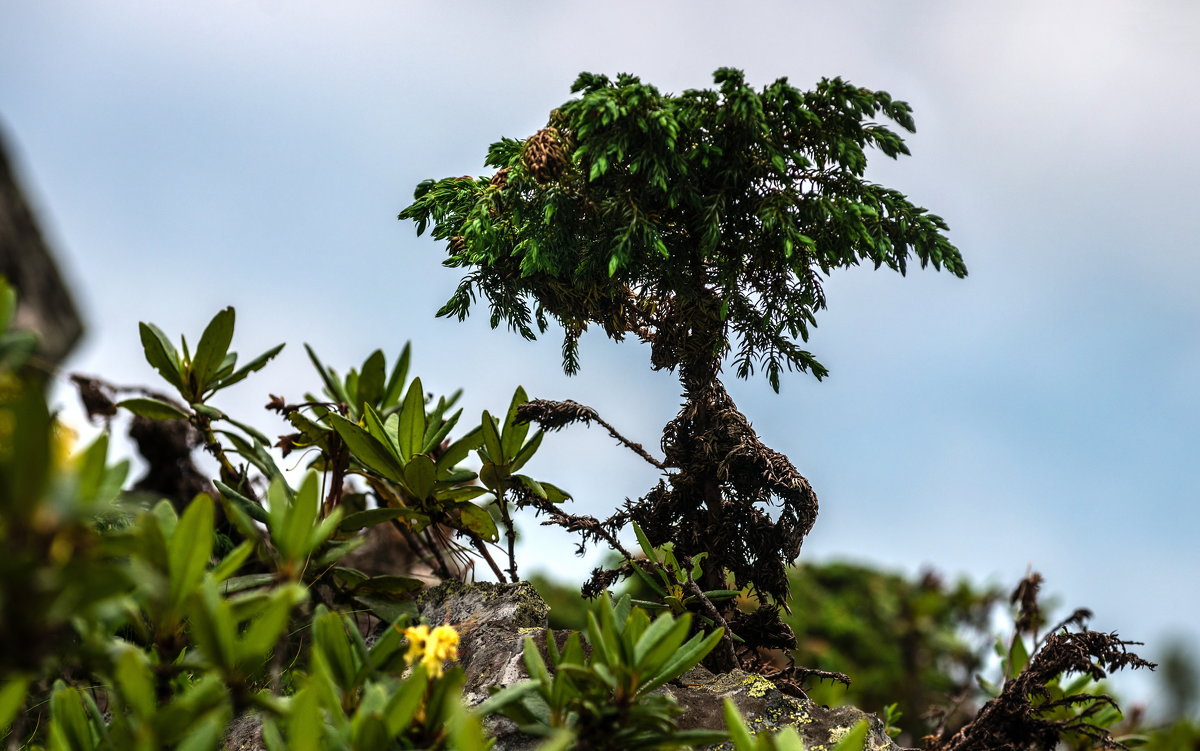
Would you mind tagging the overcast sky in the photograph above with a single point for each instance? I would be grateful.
(1043, 412)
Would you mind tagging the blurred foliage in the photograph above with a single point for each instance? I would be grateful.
(912, 641)
(126, 625)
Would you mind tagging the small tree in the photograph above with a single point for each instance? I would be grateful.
(703, 224)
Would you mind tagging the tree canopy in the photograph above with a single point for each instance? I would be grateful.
(703, 222)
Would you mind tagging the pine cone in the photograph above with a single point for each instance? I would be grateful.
(544, 156)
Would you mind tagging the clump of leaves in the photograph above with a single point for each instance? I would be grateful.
(914, 641)
(604, 695)
(703, 224)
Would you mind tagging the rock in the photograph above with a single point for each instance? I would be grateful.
(766, 708)
(494, 619)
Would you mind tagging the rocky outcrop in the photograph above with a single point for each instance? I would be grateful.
(45, 305)
(494, 619)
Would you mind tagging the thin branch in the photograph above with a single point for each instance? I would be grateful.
(710, 610)
(552, 415)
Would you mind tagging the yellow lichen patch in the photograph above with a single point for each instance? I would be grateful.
(757, 686)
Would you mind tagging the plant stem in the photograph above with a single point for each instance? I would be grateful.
(509, 533)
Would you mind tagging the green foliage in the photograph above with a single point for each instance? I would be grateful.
(674, 584)
(686, 220)
(158, 637)
(910, 641)
(212, 368)
(604, 695)
(399, 440)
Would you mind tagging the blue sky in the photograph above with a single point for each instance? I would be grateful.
(187, 156)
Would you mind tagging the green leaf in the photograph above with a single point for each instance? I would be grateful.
(8, 303)
(479, 521)
(534, 486)
(512, 436)
(68, 721)
(738, 732)
(249, 581)
(466, 732)
(644, 543)
(190, 549)
(387, 610)
(526, 452)
(267, 627)
(647, 579)
(213, 626)
(248, 430)
(695, 650)
(370, 381)
(161, 354)
(299, 520)
(421, 474)
(381, 432)
(499, 701)
(333, 387)
(366, 449)
(696, 738)
(206, 734)
(491, 439)
(436, 433)
(253, 366)
(663, 630)
(855, 740)
(403, 705)
(554, 493)
(12, 690)
(211, 351)
(458, 450)
(388, 586)
(371, 517)
(207, 410)
(989, 688)
(136, 682)
(305, 720)
(396, 379)
(534, 664)
(460, 494)
(412, 420)
(1018, 657)
(603, 641)
(153, 409)
(247, 506)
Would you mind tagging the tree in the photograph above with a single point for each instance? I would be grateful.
(702, 223)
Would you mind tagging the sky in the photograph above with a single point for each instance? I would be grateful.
(1042, 412)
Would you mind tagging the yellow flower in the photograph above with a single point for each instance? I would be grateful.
(432, 649)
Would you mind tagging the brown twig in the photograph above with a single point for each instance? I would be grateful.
(552, 415)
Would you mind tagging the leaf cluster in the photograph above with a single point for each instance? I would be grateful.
(702, 222)
(604, 693)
